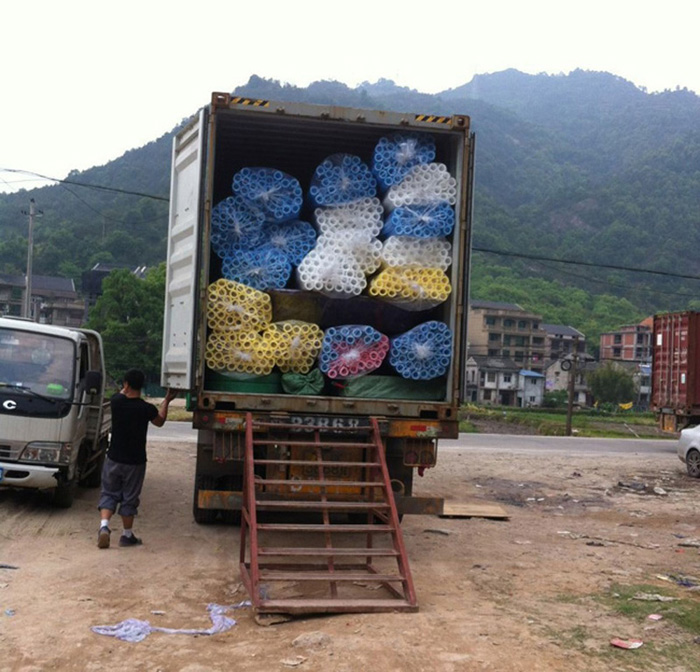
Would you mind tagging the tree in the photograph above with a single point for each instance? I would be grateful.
(612, 384)
(555, 399)
(129, 315)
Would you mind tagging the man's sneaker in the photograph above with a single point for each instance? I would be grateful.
(129, 541)
(103, 537)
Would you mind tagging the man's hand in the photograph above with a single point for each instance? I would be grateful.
(160, 419)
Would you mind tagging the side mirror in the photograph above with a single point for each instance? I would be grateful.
(93, 382)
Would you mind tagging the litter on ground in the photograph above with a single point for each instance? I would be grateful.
(134, 630)
(626, 643)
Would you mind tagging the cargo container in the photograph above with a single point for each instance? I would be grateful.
(345, 437)
(232, 133)
(675, 385)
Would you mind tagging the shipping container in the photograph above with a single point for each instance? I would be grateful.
(233, 133)
(675, 395)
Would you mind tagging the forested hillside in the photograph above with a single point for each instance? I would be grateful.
(584, 167)
(124, 225)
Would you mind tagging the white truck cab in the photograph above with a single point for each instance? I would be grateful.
(54, 420)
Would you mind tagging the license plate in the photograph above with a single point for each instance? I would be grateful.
(1, 473)
(329, 423)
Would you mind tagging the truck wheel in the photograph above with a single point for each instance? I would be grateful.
(692, 463)
(229, 517)
(232, 516)
(94, 478)
(64, 494)
(203, 516)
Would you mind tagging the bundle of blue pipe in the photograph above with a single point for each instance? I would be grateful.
(395, 155)
(349, 351)
(277, 195)
(341, 178)
(262, 268)
(295, 239)
(234, 223)
(422, 353)
(420, 221)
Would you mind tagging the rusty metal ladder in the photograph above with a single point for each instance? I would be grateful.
(316, 564)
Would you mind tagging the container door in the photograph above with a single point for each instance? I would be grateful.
(178, 364)
(465, 299)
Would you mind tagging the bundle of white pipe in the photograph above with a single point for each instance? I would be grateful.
(426, 184)
(365, 214)
(414, 252)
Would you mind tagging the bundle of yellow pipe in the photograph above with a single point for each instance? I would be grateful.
(294, 344)
(240, 351)
(412, 288)
(232, 305)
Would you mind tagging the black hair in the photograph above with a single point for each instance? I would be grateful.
(135, 378)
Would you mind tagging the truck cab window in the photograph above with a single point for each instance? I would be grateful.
(39, 362)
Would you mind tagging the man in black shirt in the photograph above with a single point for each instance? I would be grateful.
(125, 464)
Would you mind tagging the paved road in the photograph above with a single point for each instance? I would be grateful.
(511, 443)
(173, 431)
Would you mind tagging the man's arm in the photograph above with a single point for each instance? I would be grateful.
(162, 416)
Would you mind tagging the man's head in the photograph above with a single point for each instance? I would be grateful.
(135, 378)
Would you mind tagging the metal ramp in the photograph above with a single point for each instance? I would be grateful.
(296, 556)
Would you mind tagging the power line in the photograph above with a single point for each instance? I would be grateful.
(89, 186)
(575, 262)
(607, 283)
(109, 219)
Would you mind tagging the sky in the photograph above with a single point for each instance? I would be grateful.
(84, 81)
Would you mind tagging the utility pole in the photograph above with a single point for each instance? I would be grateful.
(27, 308)
(572, 386)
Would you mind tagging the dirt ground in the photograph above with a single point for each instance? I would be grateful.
(515, 595)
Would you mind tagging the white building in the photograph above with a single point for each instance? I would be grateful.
(531, 388)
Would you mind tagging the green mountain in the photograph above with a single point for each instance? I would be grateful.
(584, 167)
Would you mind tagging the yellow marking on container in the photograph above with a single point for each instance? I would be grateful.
(433, 119)
(237, 100)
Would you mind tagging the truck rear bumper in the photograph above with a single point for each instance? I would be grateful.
(17, 475)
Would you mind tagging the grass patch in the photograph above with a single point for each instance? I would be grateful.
(684, 611)
(552, 422)
(466, 427)
(665, 649)
(179, 414)
(668, 645)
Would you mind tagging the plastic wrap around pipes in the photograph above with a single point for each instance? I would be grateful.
(243, 352)
(338, 265)
(233, 306)
(364, 214)
(350, 351)
(395, 155)
(422, 221)
(426, 184)
(277, 195)
(417, 252)
(234, 223)
(361, 246)
(341, 178)
(263, 268)
(423, 353)
(294, 239)
(411, 288)
(295, 344)
(334, 275)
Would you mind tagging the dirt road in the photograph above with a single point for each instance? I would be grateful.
(532, 593)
